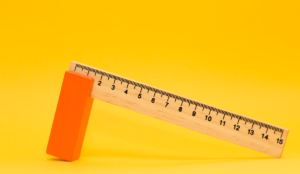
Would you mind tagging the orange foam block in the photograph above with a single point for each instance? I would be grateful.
(71, 116)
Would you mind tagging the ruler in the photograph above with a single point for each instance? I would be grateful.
(182, 111)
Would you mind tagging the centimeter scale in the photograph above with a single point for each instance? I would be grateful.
(83, 83)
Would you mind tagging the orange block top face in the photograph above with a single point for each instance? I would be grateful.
(71, 116)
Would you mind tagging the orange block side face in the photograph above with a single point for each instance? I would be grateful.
(71, 117)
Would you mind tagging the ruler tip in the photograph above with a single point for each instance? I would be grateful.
(72, 62)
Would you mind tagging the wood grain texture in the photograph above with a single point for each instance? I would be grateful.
(238, 129)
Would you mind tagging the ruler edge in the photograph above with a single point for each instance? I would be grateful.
(286, 131)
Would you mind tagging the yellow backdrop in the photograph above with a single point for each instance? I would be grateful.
(241, 56)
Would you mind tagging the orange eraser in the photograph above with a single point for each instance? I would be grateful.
(71, 116)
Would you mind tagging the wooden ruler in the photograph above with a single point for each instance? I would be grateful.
(235, 128)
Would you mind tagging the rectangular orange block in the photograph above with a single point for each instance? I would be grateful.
(71, 116)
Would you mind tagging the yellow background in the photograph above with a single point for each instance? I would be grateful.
(241, 56)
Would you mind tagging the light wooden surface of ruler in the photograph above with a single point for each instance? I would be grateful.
(235, 128)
